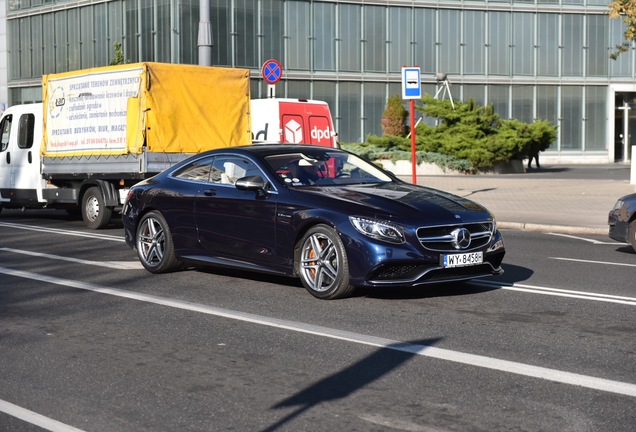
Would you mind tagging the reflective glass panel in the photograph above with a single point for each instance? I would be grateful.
(572, 52)
(349, 34)
(597, 41)
(571, 118)
(523, 44)
(595, 113)
(548, 50)
(449, 22)
(374, 39)
(324, 36)
(400, 38)
(498, 43)
(425, 40)
(349, 112)
(474, 42)
(298, 33)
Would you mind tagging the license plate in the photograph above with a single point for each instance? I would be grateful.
(463, 260)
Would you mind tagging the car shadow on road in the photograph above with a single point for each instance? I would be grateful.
(353, 378)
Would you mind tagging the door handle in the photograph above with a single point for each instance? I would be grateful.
(8, 157)
(30, 157)
(210, 192)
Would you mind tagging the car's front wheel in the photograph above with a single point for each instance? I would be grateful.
(631, 233)
(323, 264)
(154, 244)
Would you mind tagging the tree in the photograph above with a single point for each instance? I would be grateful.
(625, 9)
(119, 55)
(394, 117)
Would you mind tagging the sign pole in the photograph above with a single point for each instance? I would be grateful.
(413, 156)
(412, 89)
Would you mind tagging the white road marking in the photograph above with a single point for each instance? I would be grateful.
(93, 235)
(630, 301)
(602, 384)
(593, 262)
(117, 265)
(35, 418)
(597, 242)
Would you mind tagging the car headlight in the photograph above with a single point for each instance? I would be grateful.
(378, 230)
(619, 204)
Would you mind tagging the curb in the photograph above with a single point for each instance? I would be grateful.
(560, 229)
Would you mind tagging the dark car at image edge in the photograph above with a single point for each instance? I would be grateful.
(622, 220)
(321, 214)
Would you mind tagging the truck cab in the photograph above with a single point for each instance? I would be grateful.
(20, 180)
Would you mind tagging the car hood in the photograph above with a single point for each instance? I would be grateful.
(401, 200)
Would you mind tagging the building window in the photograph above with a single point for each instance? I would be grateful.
(220, 17)
(324, 37)
(548, 50)
(547, 106)
(499, 43)
(86, 47)
(400, 38)
(498, 97)
(449, 42)
(522, 103)
(595, 114)
(474, 43)
(425, 40)
(245, 25)
(571, 117)
(298, 32)
(349, 37)
(374, 40)
(272, 30)
(523, 44)
(572, 52)
(622, 66)
(349, 111)
(476, 92)
(373, 102)
(597, 42)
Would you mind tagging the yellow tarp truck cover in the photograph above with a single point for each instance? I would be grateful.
(170, 108)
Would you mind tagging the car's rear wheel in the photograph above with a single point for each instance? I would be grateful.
(323, 264)
(631, 233)
(154, 244)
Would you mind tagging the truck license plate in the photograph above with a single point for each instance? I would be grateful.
(462, 260)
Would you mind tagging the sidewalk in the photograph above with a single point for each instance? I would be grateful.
(568, 199)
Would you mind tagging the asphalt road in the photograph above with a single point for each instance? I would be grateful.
(91, 341)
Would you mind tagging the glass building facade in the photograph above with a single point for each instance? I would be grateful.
(530, 59)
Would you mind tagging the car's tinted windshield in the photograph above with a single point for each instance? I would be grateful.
(324, 168)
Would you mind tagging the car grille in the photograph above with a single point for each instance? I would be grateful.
(442, 239)
(415, 274)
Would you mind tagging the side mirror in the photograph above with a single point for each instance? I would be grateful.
(254, 183)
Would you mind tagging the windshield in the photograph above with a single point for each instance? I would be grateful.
(324, 169)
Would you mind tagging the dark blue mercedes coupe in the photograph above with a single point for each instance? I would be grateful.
(321, 214)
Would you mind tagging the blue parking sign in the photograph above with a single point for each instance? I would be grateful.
(411, 83)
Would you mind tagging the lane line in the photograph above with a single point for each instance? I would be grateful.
(602, 384)
(608, 298)
(593, 262)
(596, 242)
(93, 235)
(35, 418)
(117, 265)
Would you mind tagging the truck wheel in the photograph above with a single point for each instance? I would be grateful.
(323, 264)
(154, 244)
(94, 212)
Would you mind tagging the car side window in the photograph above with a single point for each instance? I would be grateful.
(199, 170)
(228, 169)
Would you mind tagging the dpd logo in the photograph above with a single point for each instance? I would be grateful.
(320, 134)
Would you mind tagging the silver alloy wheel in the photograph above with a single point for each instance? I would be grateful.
(92, 208)
(151, 242)
(319, 262)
